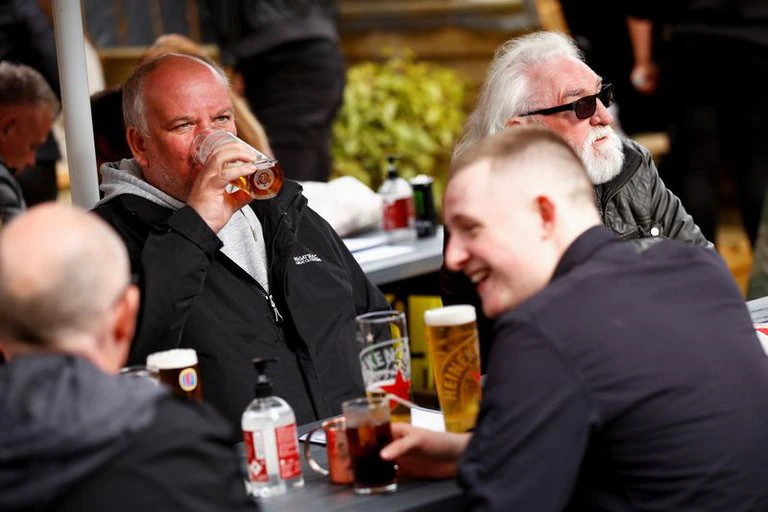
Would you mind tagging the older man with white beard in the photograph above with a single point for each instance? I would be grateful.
(542, 79)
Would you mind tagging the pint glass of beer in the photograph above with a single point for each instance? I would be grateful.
(385, 358)
(368, 431)
(267, 177)
(178, 370)
(454, 349)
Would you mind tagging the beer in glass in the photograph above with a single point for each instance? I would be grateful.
(453, 346)
(385, 359)
(178, 370)
(368, 431)
(267, 177)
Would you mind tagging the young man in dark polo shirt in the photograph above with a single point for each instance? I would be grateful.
(624, 376)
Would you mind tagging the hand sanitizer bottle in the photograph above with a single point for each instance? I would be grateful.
(271, 443)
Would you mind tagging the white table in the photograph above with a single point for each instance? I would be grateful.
(386, 263)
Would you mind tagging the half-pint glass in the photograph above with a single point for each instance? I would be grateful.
(368, 431)
(385, 358)
(453, 346)
(178, 370)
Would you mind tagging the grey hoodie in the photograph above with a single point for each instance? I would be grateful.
(61, 418)
(242, 236)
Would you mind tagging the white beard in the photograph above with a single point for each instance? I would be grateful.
(604, 165)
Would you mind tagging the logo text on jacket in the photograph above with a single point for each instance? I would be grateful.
(306, 258)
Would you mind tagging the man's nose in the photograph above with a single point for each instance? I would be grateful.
(455, 255)
(602, 115)
(30, 160)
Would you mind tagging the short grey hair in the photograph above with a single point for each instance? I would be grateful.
(23, 85)
(134, 111)
(507, 89)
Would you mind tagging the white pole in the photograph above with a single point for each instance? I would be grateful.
(76, 104)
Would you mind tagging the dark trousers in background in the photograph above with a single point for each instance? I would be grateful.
(295, 91)
(718, 106)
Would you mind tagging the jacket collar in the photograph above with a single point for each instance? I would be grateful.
(287, 205)
(632, 161)
(583, 248)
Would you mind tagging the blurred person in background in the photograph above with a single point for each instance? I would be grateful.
(711, 69)
(28, 106)
(293, 74)
(108, 127)
(541, 79)
(26, 37)
(601, 34)
(75, 436)
(623, 376)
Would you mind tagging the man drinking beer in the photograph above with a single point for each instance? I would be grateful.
(621, 376)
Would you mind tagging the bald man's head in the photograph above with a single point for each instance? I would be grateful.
(62, 272)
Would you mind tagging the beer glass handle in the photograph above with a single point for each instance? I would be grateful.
(316, 467)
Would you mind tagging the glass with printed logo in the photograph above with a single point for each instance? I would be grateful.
(385, 359)
(264, 182)
(454, 350)
(178, 370)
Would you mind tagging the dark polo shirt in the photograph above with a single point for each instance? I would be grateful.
(634, 381)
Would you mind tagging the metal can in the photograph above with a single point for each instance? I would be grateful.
(424, 204)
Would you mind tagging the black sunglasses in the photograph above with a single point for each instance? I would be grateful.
(583, 107)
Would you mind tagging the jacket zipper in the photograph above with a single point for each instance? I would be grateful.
(283, 220)
(278, 316)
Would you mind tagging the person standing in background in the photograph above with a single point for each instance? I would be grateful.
(711, 68)
(293, 74)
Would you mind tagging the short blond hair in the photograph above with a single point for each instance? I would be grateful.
(517, 148)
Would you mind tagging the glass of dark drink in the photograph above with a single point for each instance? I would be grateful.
(266, 178)
(368, 431)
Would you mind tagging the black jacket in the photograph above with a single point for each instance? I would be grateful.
(75, 439)
(634, 205)
(633, 381)
(11, 197)
(195, 296)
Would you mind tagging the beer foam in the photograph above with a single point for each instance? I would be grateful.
(172, 359)
(450, 315)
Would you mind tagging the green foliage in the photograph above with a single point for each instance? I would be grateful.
(413, 110)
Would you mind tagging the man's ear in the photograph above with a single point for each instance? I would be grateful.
(125, 320)
(7, 123)
(547, 212)
(515, 121)
(138, 144)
